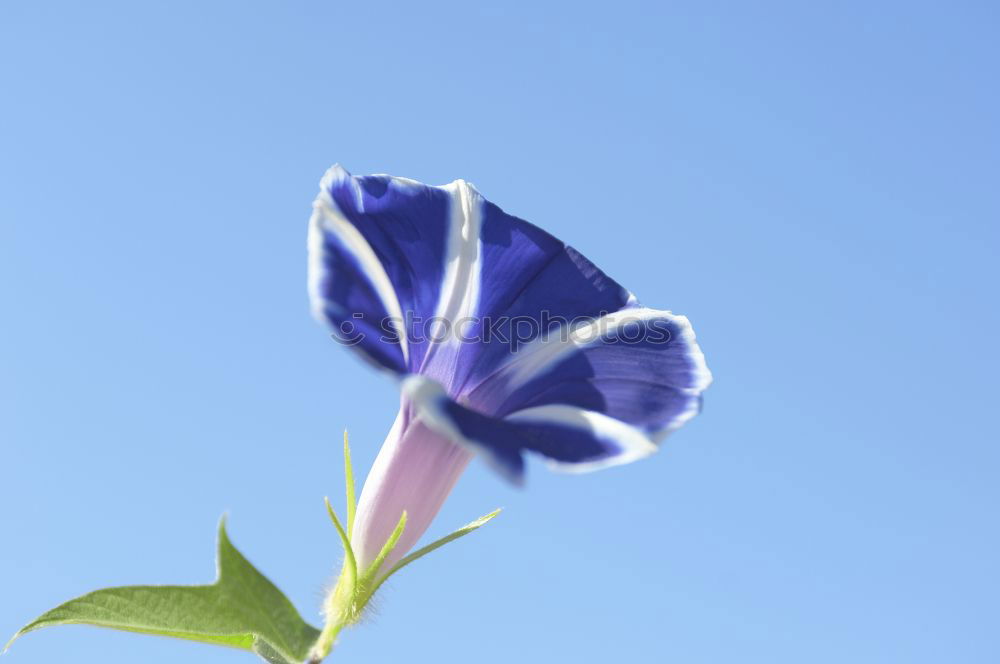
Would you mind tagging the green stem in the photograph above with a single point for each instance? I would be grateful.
(340, 612)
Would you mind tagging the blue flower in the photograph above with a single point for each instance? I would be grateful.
(506, 340)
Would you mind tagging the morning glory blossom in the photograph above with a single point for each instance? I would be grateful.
(506, 342)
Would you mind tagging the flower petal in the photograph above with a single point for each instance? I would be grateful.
(641, 366)
(530, 282)
(389, 238)
(384, 247)
(571, 438)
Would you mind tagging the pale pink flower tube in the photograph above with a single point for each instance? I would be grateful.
(415, 471)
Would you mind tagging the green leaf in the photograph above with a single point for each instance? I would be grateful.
(242, 609)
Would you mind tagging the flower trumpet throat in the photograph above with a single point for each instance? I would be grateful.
(360, 579)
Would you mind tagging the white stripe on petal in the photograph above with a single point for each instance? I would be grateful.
(540, 355)
(633, 443)
(328, 217)
(459, 295)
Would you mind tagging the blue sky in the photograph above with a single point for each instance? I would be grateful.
(813, 184)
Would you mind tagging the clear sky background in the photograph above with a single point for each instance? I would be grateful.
(814, 184)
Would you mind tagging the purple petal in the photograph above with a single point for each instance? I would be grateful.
(640, 366)
(571, 438)
(387, 237)
(530, 281)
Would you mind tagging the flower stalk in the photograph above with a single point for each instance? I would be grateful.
(355, 587)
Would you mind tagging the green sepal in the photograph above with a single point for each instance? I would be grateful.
(352, 503)
(350, 562)
(242, 609)
(390, 544)
(423, 551)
